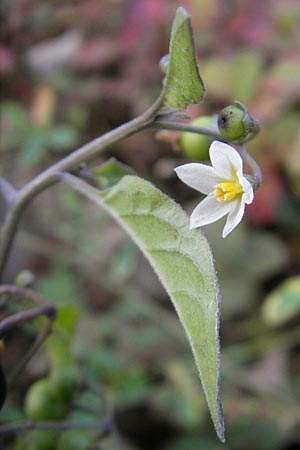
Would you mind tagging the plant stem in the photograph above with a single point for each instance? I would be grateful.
(208, 131)
(23, 316)
(256, 170)
(42, 336)
(50, 175)
(7, 192)
(27, 425)
(11, 290)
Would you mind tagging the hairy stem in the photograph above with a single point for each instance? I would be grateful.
(50, 175)
(208, 131)
(256, 170)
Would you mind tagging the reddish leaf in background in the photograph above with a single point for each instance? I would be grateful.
(97, 52)
(6, 60)
(247, 22)
(141, 16)
(263, 210)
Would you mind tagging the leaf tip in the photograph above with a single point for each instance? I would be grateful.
(219, 424)
(182, 11)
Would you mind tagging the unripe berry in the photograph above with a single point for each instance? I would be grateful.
(42, 403)
(194, 145)
(75, 440)
(42, 440)
(164, 64)
(64, 381)
(236, 124)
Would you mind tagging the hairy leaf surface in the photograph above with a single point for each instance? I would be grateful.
(183, 262)
(183, 84)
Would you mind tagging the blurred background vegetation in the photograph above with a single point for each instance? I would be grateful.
(71, 70)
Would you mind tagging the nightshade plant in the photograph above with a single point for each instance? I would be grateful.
(180, 254)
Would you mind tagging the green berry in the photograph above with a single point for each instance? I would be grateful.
(41, 403)
(43, 440)
(75, 440)
(236, 124)
(64, 381)
(196, 146)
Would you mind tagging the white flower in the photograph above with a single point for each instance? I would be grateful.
(224, 184)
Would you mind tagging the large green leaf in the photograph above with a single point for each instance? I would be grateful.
(182, 260)
(183, 84)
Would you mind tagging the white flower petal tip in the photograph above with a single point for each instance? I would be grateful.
(227, 189)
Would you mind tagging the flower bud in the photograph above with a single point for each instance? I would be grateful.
(236, 124)
(25, 279)
(164, 64)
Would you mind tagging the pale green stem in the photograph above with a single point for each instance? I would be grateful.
(256, 176)
(208, 131)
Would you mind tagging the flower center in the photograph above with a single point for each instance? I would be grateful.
(227, 191)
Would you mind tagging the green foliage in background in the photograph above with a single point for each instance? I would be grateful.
(115, 322)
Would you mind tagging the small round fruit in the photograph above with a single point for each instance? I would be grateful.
(64, 381)
(43, 440)
(231, 122)
(75, 440)
(42, 404)
(196, 146)
(236, 124)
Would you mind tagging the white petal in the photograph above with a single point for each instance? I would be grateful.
(208, 211)
(234, 217)
(225, 160)
(248, 190)
(198, 176)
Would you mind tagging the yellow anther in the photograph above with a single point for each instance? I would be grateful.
(227, 191)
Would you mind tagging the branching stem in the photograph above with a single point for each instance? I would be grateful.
(16, 201)
(7, 192)
(50, 175)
